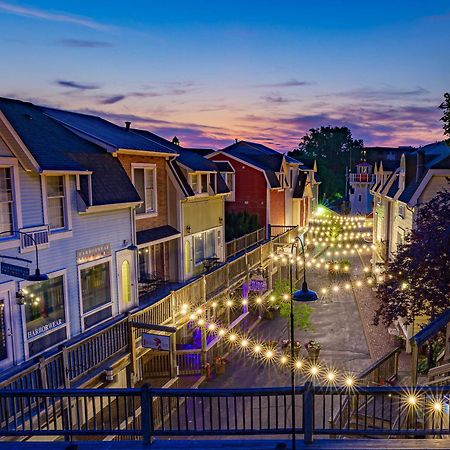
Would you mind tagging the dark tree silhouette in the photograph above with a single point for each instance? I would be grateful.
(417, 280)
(445, 106)
(334, 149)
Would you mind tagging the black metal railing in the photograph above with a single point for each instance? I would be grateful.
(147, 413)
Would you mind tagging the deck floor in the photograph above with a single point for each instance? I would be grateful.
(260, 444)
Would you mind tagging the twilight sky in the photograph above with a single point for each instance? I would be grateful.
(210, 71)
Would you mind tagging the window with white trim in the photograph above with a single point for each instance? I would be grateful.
(145, 183)
(401, 211)
(56, 202)
(95, 283)
(204, 246)
(6, 202)
(199, 182)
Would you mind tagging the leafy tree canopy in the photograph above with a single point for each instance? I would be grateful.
(334, 149)
(445, 106)
(420, 270)
(237, 225)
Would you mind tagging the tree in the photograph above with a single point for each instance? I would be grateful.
(445, 106)
(334, 149)
(417, 280)
(237, 225)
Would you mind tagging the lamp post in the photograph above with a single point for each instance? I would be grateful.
(37, 276)
(304, 295)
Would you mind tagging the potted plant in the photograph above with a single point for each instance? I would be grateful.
(313, 348)
(286, 346)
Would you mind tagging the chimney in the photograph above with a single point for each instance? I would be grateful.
(127, 125)
(237, 140)
(420, 164)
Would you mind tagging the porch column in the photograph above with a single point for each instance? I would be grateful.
(202, 330)
(173, 341)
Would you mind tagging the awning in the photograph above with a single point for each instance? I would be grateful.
(156, 235)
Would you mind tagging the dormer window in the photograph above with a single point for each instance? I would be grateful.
(200, 182)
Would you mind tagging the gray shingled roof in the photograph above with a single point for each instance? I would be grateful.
(107, 133)
(300, 186)
(56, 148)
(155, 234)
(261, 156)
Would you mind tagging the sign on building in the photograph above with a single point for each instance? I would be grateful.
(155, 341)
(14, 271)
(258, 285)
(93, 253)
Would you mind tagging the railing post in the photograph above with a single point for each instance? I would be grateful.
(308, 413)
(43, 373)
(147, 414)
(65, 367)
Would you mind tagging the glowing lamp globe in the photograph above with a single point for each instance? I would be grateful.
(305, 294)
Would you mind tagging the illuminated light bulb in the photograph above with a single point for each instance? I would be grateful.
(336, 253)
(214, 304)
(272, 298)
(285, 296)
(271, 255)
(336, 267)
(211, 326)
(269, 354)
(257, 348)
(259, 300)
(25, 291)
(192, 317)
(275, 258)
(244, 302)
(183, 312)
(283, 260)
(244, 343)
(222, 332)
(298, 364)
(232, 337)
(306, 255)
(369, 281)
(199, 311)
(184, 306)
(349, 381)
(318, 265)
(323, 291)
(404, 285)
(314, 370)
(229, 303)
(366, 269)
(327, 266)
(328, 253)
(31, 295)
(347, 286)
(359, 283)
(331, 376)
(352, 251)
(335, 288)
(437, 406)
(377, 270)
(412, 400)
(308, 264)
(283, 359)
(37, 299)
(346, 268)
(201, 322)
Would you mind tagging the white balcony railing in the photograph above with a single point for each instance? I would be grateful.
(39, 234)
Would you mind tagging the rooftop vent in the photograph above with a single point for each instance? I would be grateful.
(127, 125)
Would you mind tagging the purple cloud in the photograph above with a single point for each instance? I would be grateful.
(77, 85)
(284, 84)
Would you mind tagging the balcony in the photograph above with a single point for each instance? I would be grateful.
(368, 178)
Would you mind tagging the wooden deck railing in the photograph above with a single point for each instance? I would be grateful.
(148, 413)
(244, 242)
(73, 362)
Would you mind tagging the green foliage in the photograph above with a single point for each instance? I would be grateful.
(237, 225)
(302, 312)
(334, 149)
(445, 106)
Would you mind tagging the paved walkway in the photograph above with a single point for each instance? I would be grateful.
(336, 324)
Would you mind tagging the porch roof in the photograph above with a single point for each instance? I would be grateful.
(163, 233)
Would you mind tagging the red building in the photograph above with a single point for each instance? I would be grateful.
(266, 183)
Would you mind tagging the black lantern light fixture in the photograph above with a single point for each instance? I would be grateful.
(304, 295)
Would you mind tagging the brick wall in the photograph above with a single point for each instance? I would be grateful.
(161, 186)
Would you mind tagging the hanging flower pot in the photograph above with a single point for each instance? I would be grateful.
(313, 348)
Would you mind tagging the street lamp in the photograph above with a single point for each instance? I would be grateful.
(37, 276)
(303, 295)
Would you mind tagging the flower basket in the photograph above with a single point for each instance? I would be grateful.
(286, 347)
(313, 348)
